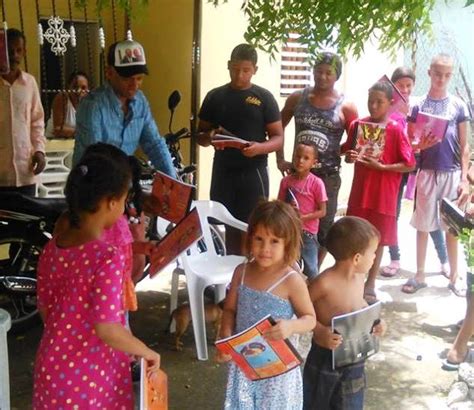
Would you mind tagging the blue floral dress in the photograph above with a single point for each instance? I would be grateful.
(284, 392)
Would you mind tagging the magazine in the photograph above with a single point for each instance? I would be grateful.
(257, 357)
(455, 218)
(154, 390)
(291, 198)
(172, 197)
(179, 239)
(370, 139)
(428, 123)
(228, 141)
(397, 96)
(358, 342)
(4, 61)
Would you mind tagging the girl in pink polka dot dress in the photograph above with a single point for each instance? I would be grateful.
(83, 359)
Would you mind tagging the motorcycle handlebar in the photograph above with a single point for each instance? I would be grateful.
(175, 137)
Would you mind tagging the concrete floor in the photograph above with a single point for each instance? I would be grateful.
(420, 324)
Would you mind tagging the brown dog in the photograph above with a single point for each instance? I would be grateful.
(182, 317)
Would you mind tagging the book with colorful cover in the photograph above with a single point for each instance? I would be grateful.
(153, 390)
(396, 94)
(370, 139)
(4, 61)
(358, 342)
(257, 357)
(228, 141)
(178, 240)
(173, 198)
(426, 123)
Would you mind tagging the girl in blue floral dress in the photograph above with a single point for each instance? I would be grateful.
(267, 284)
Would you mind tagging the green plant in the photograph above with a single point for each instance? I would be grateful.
(345, 25)
(129, 6)
(466, 237)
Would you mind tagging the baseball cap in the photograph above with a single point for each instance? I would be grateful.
(128, 58)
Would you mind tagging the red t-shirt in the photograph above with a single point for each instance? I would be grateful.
(378, 190)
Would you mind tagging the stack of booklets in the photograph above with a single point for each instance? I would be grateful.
(370, 139)
(153, 390)
(358, 342)
(228, 141)
(426, 124)
(257, 357)
(4, 61)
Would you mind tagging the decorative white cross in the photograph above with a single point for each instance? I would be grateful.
(57, 35)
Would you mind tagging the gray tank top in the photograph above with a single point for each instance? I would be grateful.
(322, 127)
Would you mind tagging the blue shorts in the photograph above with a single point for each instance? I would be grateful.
(325, 388)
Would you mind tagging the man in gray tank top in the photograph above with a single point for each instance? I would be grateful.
(321, 116)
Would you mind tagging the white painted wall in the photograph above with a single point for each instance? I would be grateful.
(222, 29)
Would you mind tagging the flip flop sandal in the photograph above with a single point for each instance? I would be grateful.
(449, 365)
(412, 286)
(389, 271)
(456, 291)
(370, 297)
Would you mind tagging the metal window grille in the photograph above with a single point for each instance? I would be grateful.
(295, 72)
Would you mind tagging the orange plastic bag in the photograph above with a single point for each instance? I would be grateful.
(153, 390)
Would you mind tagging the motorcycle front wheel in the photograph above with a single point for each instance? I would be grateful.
(18, 263)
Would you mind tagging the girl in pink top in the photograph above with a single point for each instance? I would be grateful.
(306, 192)
(83, 361)
(376, 181)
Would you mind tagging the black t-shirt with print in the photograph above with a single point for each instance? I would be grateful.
(244, 113)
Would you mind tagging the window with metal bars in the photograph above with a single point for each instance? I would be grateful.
(295, 71)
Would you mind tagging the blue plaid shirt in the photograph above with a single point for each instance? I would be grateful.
(100, 118)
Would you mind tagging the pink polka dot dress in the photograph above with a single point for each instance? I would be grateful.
(80, 286)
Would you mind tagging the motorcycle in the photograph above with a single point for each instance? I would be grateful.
(26, 224)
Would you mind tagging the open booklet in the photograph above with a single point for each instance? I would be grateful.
(172, 197)
(358, 342)
(154, 390)
(178, 240)
(4, 61)
(369, 139)
(228, 141)
(257, 357)
(426, 123)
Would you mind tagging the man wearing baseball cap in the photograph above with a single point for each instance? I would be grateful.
(321, 117)
(118, 112)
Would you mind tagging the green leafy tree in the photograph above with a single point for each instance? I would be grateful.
(345, 25)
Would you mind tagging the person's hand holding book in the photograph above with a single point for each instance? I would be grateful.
(222, 357)
(371, 162)
(153, 362)
(324, 337)
(426, 141)
(379, 328)
(282, 330)
(351, 156)
(252, 149)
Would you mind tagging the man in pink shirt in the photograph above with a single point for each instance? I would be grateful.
(22, 141)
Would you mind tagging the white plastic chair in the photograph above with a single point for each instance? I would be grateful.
(205, 268)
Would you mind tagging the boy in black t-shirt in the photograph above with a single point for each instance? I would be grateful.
(250, 112)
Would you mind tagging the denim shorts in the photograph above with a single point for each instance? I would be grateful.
(328, 389)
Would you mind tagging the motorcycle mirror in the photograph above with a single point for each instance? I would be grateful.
(173, 100)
